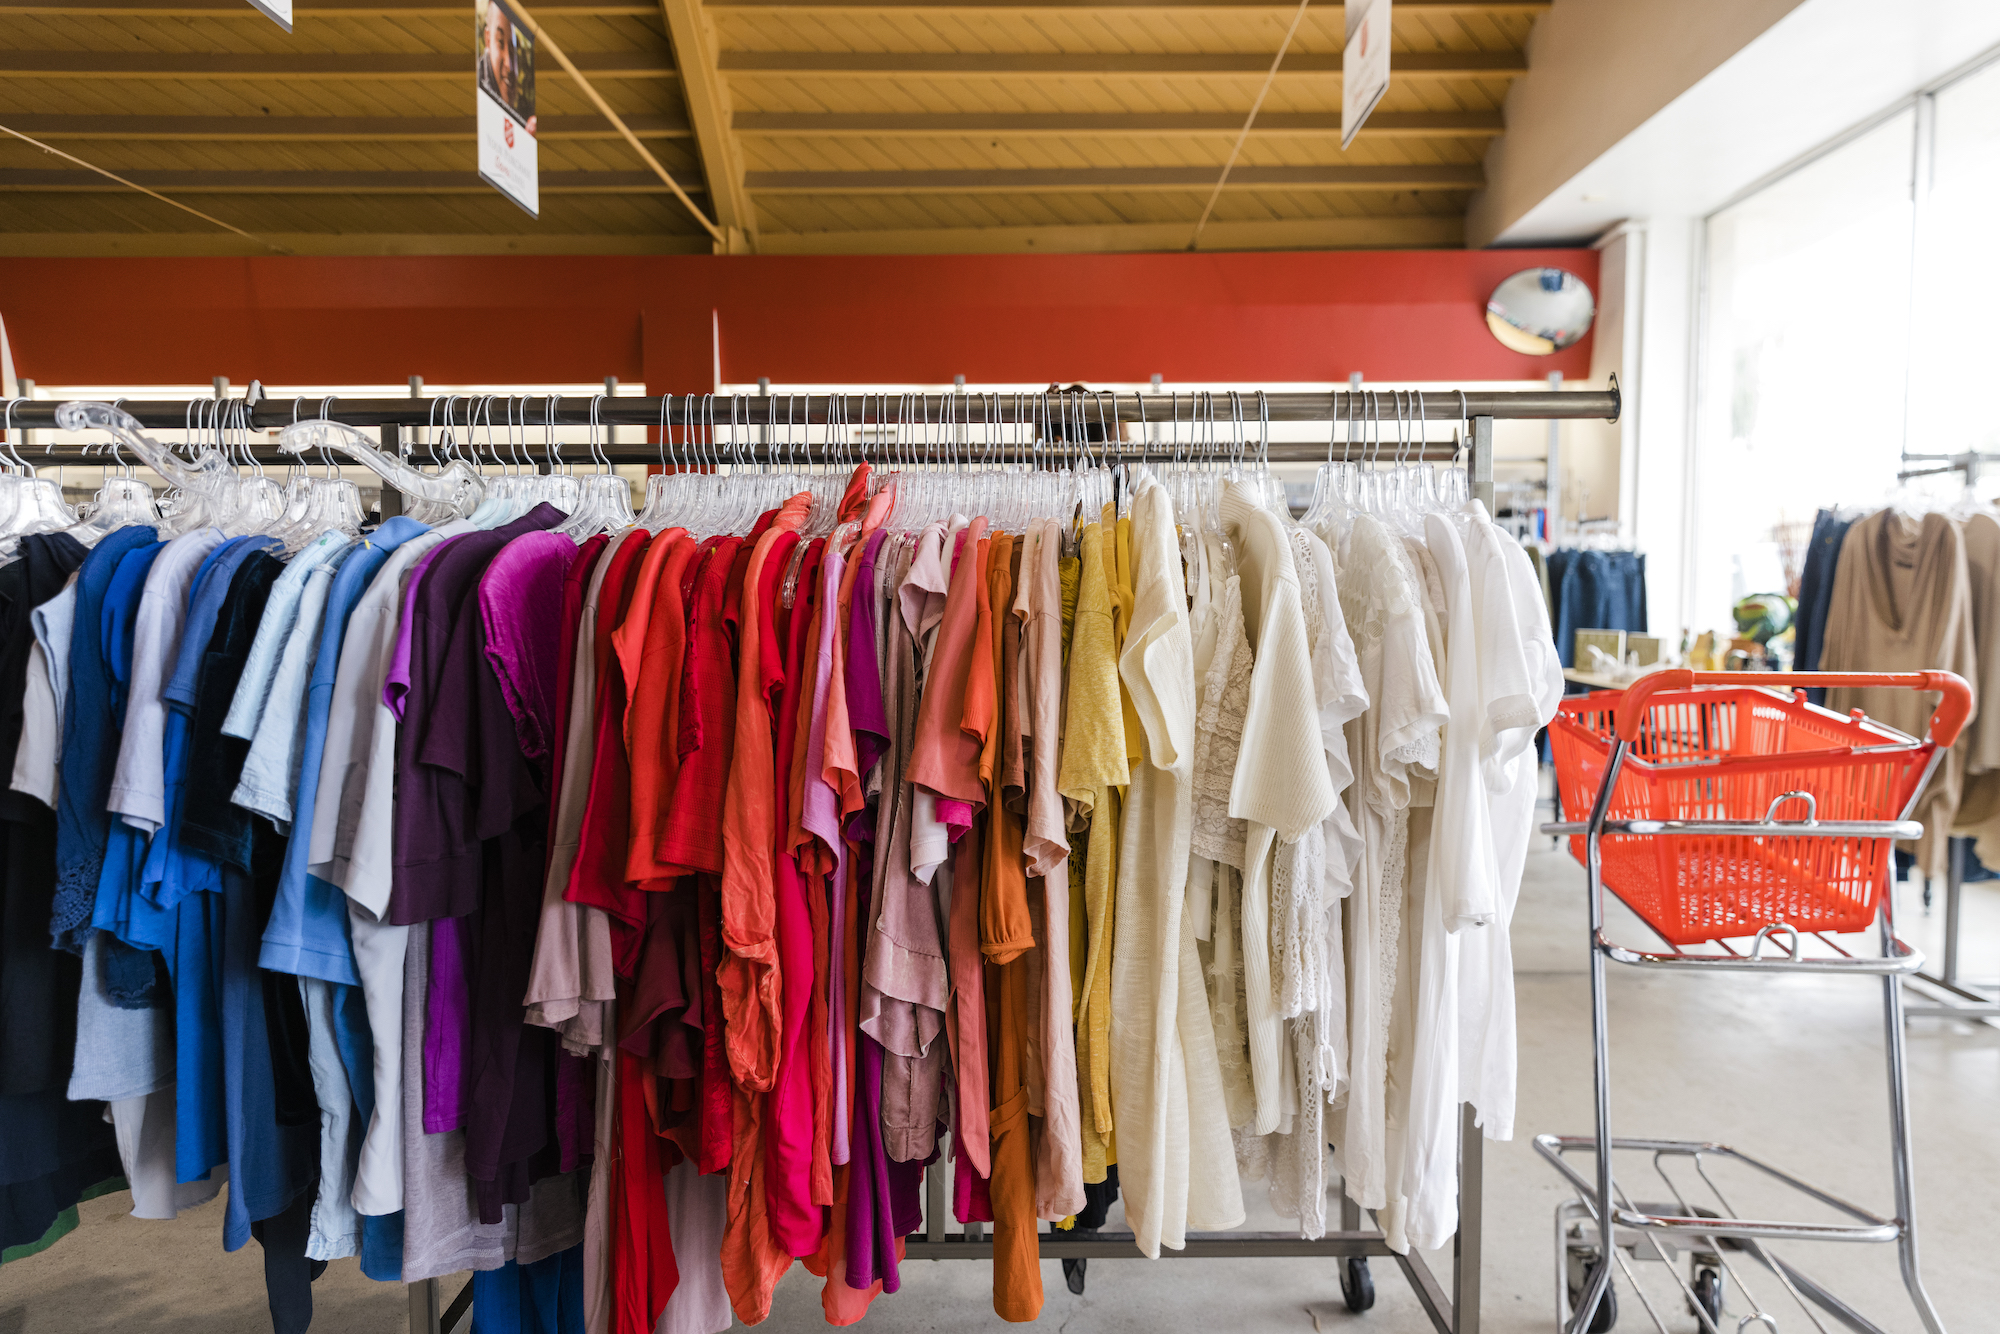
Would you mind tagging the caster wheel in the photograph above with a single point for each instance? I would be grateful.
(1708, 1292)
(1357, 1285)
(1607, 1310)
(1074, 1272)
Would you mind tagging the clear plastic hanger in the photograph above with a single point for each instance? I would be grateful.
(604, 499)
(34, 504)
(122, 500)
(260, 502)
(207, 484)
(332, 503)
(432, 498)
(654, 515)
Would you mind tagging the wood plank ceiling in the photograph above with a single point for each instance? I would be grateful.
(802, 126)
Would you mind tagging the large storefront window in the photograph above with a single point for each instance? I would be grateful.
(1848, 309)
(1805, 352)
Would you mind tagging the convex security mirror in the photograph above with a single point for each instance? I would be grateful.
(1539, 311)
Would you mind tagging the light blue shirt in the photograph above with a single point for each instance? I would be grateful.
(270, 770)
(307, 933)
(274, 631)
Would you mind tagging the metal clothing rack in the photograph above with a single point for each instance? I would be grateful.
(1374, 414)
(1952, 997)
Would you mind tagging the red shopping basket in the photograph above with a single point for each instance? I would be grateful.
(1709, 746)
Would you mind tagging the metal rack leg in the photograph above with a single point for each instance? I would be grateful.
(1600, 1037)
(1959, 1001)
(1954, 894)
(934, 1200)
(1902, 1159)
(426, 1307)
(1471, 1208)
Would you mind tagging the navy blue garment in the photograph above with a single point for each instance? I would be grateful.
(269, 1111)
(545, 1297)
(288, 1275)
(1816, 593)
(52, 1150)
(1596, 590)
(38, 986)
(89, 744)
(134, 978)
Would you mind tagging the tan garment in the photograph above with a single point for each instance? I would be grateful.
(1902, 602)
(1978, 815)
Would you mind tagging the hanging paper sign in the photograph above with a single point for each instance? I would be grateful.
(1364, 65)
(506, 67)
(278, 11)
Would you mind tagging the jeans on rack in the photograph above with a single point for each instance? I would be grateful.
(1816, 593)
(1596, 590)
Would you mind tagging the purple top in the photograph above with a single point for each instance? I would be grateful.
(864, 673)
(396, 685)
(521, 603)
(437, 812)
(822, 818)
(447, 1028)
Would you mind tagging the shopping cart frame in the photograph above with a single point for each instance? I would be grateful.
(1897, 958)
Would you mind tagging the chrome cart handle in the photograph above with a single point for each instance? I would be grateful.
(1757, 941)
(1812, 808)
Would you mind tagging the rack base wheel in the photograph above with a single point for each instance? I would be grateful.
(1357, 1285)
(1607, 1310)
(1074, 1273)
(1708, 1293)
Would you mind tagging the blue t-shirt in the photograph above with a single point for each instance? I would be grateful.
(308, 932)
(89, 742)
(194, 949)
(127, 967)
(170, 874)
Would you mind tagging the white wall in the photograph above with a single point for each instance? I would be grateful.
(1597, 71)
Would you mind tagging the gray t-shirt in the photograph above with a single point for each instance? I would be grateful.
(442, 1233)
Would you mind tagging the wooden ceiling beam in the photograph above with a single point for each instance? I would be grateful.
(93, 245)
(1424, 232)
(1030, 6)
(369, 65)
(706, 93)
(1115, 64)
(28, 180)
(334, 129)
(1065, 125)
(307, 9)
(1104, 180)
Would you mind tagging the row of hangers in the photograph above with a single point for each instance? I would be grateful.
(952, 463)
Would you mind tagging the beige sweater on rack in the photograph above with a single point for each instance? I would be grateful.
(1902, 601)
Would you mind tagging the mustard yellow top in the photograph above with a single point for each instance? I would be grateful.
(1092, 772)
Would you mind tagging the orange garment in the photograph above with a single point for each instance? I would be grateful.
(980, 678)
(652, 723)
(966, 1020)
(943, 758)
(752, 1003)
(1004, 929)
(1006, 934)
(752, 1263)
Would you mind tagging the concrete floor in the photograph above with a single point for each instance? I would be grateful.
(1788, 1069)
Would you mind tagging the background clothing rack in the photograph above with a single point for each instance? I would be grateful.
(1371, 413)
(1363, 412)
